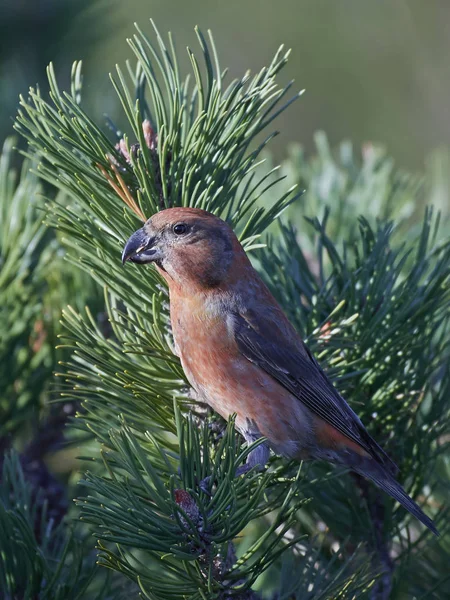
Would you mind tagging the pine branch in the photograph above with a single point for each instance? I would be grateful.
(197, 151)
(389, 306)
(42, 557)
(376, 312)
(136, 514)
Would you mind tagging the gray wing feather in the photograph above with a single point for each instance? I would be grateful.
(300, 373)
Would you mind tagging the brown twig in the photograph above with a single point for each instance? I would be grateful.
(220, 564)
(121, 190)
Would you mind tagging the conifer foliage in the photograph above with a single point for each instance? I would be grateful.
(373, 304)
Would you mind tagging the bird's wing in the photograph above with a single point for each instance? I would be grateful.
(299, 372)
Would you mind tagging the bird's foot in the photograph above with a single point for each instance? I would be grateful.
(258, 458)
(205, 485)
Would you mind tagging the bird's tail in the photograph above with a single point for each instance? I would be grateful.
(388, 484)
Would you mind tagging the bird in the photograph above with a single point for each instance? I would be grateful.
(243, 357)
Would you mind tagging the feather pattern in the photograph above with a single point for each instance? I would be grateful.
(300, 373)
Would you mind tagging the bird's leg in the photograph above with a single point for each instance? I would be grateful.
(258, 457)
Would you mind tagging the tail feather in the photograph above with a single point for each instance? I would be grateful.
(388, 484)
(379, 454)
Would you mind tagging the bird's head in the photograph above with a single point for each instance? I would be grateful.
(188, 245)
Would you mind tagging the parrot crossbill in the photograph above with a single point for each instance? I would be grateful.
(242, 356)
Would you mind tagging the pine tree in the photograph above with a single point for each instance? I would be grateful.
(370, 294)
(40, 555)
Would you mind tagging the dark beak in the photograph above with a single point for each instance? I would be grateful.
(140, 248)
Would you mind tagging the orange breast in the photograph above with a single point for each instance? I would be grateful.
(230, 383)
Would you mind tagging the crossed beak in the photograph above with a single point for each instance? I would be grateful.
(141, 248)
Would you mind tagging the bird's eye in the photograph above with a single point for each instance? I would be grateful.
(179, 228)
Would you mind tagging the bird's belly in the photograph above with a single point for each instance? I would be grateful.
(230, 384)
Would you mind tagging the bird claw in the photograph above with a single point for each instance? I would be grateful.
(243, 469)
(205, 484)
(257, 458)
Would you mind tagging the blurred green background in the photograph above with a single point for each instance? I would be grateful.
(373, 71)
